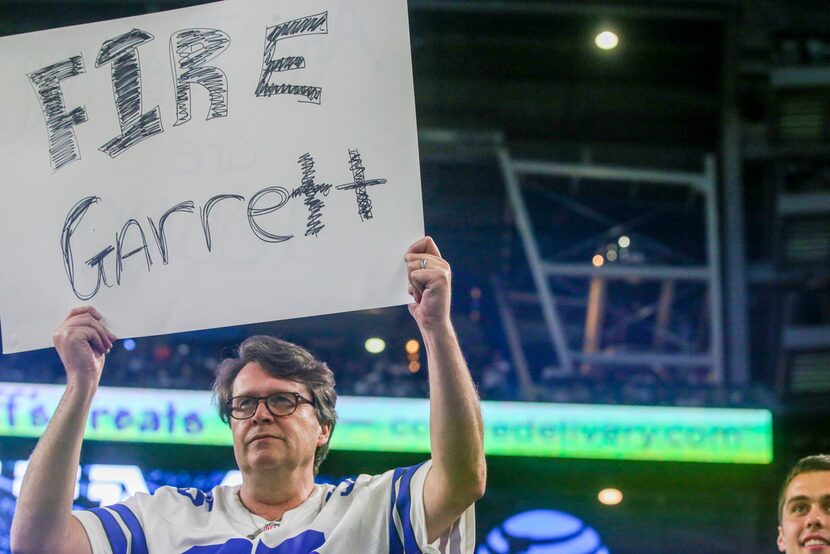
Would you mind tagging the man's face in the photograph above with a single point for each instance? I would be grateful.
(265, 441)
(805, 521)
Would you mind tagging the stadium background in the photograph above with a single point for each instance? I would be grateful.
(653, 293)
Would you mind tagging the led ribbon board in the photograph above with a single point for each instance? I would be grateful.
(402, 425)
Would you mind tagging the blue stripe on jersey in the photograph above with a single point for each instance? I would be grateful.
(139, 545)
(395, 544)
(115, 536)
(306, 542)
(403, 505)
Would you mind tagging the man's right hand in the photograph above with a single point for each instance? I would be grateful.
(82, 342)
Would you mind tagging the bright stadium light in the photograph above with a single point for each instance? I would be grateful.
(606, 40)
(412, 346)
(375, 345)
(624, 241)
(610, 496)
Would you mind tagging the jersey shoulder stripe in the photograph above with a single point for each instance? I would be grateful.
(404, 505)
(400, 504)
(139, 541)
(395, 544)
(115, 535)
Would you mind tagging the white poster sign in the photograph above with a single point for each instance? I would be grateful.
(236, 162)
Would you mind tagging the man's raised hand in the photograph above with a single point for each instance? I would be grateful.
(429, 283)
(82, 342)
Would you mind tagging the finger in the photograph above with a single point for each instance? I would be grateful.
(431, 247)
(418, 291)
(84, 310)
(425, 245)
(415, 289)
(110, 334)
(86, 321)
(95, 342)
(432, 263)
(423, 280)
(417, 247)
(415, 262)
(90, 319)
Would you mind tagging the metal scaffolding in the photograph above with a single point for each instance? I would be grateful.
(544, 270)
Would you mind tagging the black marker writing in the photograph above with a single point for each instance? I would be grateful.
(264, 202)
(204, 213)
(158, 232)
(310, 189)
(310, 93)
(189, 51)
(364, 203)
(119, 248)
(254, 212)
(136, 126)
(286, 64)
(316, 24)
(98, 261)
(63, 145)
(70, 225)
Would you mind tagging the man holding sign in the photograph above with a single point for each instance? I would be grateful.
(279, 402)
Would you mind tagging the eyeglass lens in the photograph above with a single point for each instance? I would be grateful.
(278, 404)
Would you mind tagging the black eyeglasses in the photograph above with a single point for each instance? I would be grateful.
(278, 404)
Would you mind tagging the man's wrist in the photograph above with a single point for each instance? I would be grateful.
(84, 387)
(439, 329)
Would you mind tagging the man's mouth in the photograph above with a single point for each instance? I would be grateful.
(815, 540)
(262, 437)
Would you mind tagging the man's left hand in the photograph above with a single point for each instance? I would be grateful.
(429, 284)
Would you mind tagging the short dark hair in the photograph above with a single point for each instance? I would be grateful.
(286, 360)
(808, 464)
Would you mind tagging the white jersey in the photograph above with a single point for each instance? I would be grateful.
(372, 514)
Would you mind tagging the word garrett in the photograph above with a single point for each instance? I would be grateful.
(265, 201)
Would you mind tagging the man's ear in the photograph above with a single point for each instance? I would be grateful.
(325, 434)
(782, 547)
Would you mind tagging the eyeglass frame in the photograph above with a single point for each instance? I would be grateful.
(298, 399)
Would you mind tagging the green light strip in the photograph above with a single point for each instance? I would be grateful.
(402, 425)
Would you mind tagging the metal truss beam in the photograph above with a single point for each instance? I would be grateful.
(542, 270)
(650, 272)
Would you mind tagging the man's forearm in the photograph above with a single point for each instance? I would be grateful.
(456, 431)
(43, 514)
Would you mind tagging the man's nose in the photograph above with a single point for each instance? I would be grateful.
(816, 518)
(261, 414)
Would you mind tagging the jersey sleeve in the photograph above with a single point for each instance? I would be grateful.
(409, 534)
(116, 529)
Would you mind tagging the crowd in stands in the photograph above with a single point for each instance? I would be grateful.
(166, 362)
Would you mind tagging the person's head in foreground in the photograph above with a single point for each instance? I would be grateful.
(804, 507)
(279, 401)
